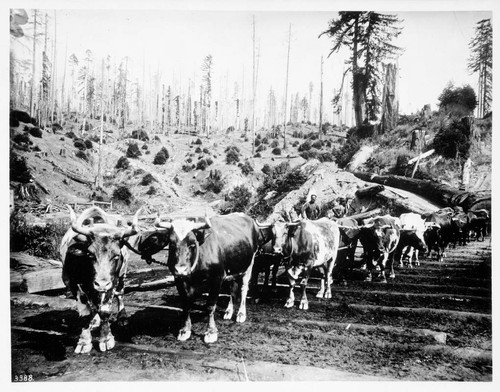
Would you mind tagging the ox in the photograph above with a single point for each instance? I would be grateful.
(309, 244)
(411, 237)
(379, 237)
(478, 223)
(148, 242)
(438, 233)
(349, 233)
(459, 225)
(203, 255)
(94, 268)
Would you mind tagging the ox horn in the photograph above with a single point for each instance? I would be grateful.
(77, 228)
(263, 225)
(163, 225)
(133, 229)
(203, 225)
(291, 224)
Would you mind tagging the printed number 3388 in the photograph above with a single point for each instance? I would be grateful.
(23, 377)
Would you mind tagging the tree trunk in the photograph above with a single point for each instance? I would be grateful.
(32, 93)
(440, 194)
(389, 99)
(286, 85)
(320, 101)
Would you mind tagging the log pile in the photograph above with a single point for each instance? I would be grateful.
(33, 274)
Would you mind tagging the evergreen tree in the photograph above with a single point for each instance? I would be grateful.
(481, 62)
(368, 36)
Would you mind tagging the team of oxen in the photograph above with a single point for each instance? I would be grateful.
(235, 248)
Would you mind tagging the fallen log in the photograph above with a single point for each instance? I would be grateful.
(367, 214)
(441, 194)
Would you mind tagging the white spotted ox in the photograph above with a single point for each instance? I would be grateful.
(309, 244)
(94, 267)
(411, 239)
(204, 255)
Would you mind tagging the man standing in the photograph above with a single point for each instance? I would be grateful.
(311, 210)
(338, 208)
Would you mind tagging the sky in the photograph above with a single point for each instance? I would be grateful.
(175, 43)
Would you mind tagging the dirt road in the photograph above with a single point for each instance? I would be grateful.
(432, 322)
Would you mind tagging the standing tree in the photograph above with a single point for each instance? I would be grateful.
(368, 36)
(481, 61)
(207, 82)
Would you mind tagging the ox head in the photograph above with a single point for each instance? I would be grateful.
(414, 238)
(102, 247)
(185, 240)
(432, 234)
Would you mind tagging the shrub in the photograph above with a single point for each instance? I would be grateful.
(232, 156)
(40, 241)
(56, 127)
(246, 168)
(21, 138)
(189, 160)
(239, 198)
(317, 144)
(141, 135)
(205, 150)
(35, 132)
(346, 152)
(306, 146)
(276, 151)
(122, 194)
(266, 169)
(139, 171)
(147, 152)
(187, 168)
(214, 181)
(133, 151)
(209, 161)
(459, 101)
(123, 163)
(198, 150)
(228, 148)
(274, 144)
(147, 180)
(326, 157)
(261, 148)
(151, 190)
(161, 157)
(71, 135)
(19, 170)
(257, 142)
(453, 141)
(144, 147)
(81, 154)
(257, 155)
(310, 154)
(157, 138)
(36, 148)
(201, 165)
(265, 140)
(198, 141)
(80, 144)
(164, 151)
(88, 144)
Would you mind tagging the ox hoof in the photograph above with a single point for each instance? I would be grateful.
(363, 267)
(228, 315)
(107, 344)
(83, 348)
(368, 278)
(210, 337)
(304, 305)
(392, 276)
(184, 335)
(289, 303)
(321, 294)
(384, 280)
(327, 295)
(241, 317)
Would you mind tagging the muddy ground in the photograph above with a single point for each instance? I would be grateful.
(432, 322)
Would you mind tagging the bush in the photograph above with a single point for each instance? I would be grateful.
(22, 138)
(147, 152)
(246, 168)
(141, 135)
(257, 155)
(157, 138)
(189, 160)
(209, 161)
(139, 171)
(56, 127)
(161, 157)
(147, 180)
(205, 150)
(257, 142)
(144, 147)
(81, 154)
(232, 155)
(198, 150)
(326, 157)
(198, 141)
(19, 170)
(306, 146)
(454, 141)
(310, 154)
(35, 132)
(187, 168)
(228, 148)
(80, 144)
(151, 190)
(261, 148)
(201, 164)
(71, 135)
(122, 194)
(317, 144)
(276, 151)
(239, 198)
(88, 144)
(266, 169)
(459, 101)
(274, 144)
(214, 181)
(164, 151)
(35, 148)
(40, 241)
(123, 163)
(346, 152)
(265, 140)
(133, 151)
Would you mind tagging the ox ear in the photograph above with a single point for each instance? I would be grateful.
(201, 235)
